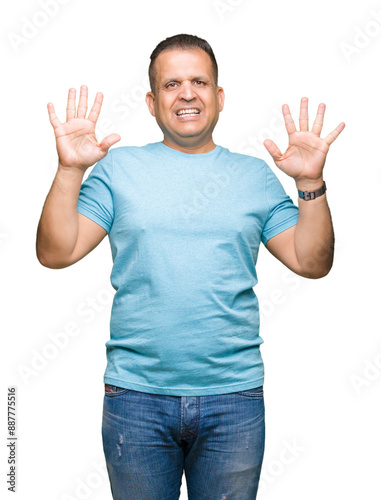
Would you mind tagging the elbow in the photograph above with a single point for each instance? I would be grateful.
(325, 272)
(318, 263)
(51, 259)
(44, 262)
(313, 268)
(316, 276)
(50, 263)
(317, 273)
(41, 257)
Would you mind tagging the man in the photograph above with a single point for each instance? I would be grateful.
(185, 218)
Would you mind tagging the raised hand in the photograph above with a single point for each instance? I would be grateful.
(305, 156)
(76, 143)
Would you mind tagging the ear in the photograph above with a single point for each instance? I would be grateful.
(221, 97)
(150, 100)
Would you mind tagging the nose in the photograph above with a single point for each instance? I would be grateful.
(187, 91)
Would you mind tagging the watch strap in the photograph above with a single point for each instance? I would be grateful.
(311, 195)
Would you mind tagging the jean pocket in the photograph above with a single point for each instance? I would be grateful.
(256, 392)
(113, 390)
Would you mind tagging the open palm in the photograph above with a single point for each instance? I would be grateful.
(76, 143)
(306, 153)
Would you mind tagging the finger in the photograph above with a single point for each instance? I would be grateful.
(303, 117)
(70, 108)
(290, 125)
(273, 149)
(95, 110)
(109, 141)
(335, 134)
(82, 104)
(52, 116)
(318, 123)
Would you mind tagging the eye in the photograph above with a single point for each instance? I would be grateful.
(200, 82)
(171, 85)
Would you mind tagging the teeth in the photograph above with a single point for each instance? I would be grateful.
(188, 112)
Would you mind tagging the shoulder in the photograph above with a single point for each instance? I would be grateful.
(127, 151)
(245, 161)
(129, 155)
(253, 160)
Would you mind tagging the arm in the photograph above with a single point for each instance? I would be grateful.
(306, 248)
(65, 236)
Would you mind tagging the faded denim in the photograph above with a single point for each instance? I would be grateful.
(150, 439)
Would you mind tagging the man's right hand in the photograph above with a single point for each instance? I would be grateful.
(76, 143)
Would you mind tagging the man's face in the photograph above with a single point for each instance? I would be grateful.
(184, 82)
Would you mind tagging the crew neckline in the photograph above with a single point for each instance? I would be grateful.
(180, 154)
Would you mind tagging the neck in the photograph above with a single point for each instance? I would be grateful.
(190, 148)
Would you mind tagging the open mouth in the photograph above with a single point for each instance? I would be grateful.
(188, 112)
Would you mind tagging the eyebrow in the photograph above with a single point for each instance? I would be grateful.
(177, 79)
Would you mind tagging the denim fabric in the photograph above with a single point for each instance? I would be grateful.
(150, 439)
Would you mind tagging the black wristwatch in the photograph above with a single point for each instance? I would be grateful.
(311, 195)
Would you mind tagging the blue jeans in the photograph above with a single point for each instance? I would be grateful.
(149, 439)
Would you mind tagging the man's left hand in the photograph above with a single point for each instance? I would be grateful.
(305, 156)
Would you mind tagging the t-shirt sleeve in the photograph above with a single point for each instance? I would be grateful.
(282, 212)
(95, 197)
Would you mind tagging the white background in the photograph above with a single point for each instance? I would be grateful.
(322, 345)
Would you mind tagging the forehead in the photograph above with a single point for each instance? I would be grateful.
(182, 63)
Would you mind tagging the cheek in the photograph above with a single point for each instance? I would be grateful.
(166, 110)
(160, 112)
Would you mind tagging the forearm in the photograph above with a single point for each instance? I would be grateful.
(314, 235)
(58, 226)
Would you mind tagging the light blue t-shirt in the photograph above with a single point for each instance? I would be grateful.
(184, 231)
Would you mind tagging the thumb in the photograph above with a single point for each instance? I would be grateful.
(273, 149)
(109, 141)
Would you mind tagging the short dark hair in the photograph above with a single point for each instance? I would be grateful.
(183, 42)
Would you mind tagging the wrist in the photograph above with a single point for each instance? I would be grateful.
(309, 184)
(71, 171)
